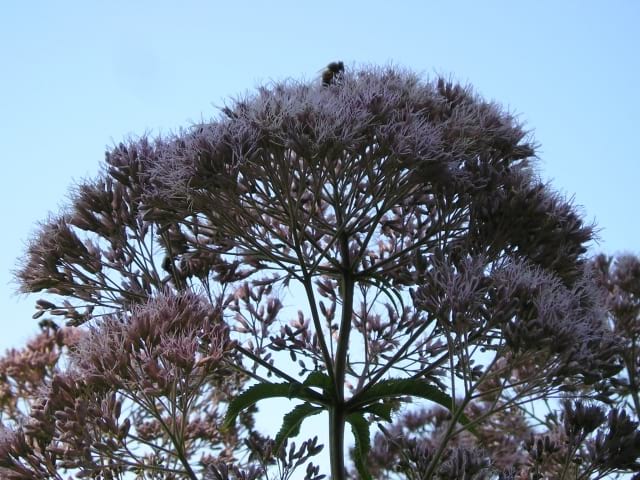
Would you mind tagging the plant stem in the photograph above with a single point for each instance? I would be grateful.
(336, 442)
(337, 414)
(445, 439)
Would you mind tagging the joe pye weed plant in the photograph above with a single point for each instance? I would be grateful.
(435, 266)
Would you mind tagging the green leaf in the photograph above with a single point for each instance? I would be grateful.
(318, 379)
(292, 421)
(397, 387)
(262, 391)
(253, 395)
(298, 390)
(382, 410)
(360, 429)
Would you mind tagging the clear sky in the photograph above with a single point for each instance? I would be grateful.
(77, 76)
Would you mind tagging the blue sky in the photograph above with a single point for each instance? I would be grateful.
(78, 76)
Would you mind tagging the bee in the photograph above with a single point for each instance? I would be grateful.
(331, 73)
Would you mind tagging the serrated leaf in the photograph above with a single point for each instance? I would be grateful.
(414, 387)
(251, 396)
(262, 391)
(318, 379)
(360, 429)
(291, 422)
(298, 390)
(382, 410)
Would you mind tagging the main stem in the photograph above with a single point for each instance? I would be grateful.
(337, 412)
(336, 441)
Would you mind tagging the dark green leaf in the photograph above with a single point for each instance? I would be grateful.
(292, 421)
(398, 387)
(318, 379)
(360, 429)
(382, 410)
(253, 395)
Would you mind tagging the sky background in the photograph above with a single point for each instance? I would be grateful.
(77, 77)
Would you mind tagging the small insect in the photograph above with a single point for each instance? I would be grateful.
(331, 73)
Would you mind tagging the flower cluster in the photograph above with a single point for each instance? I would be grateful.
(24, 371)
(163, 342)
(434, 264)
(166, 364)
